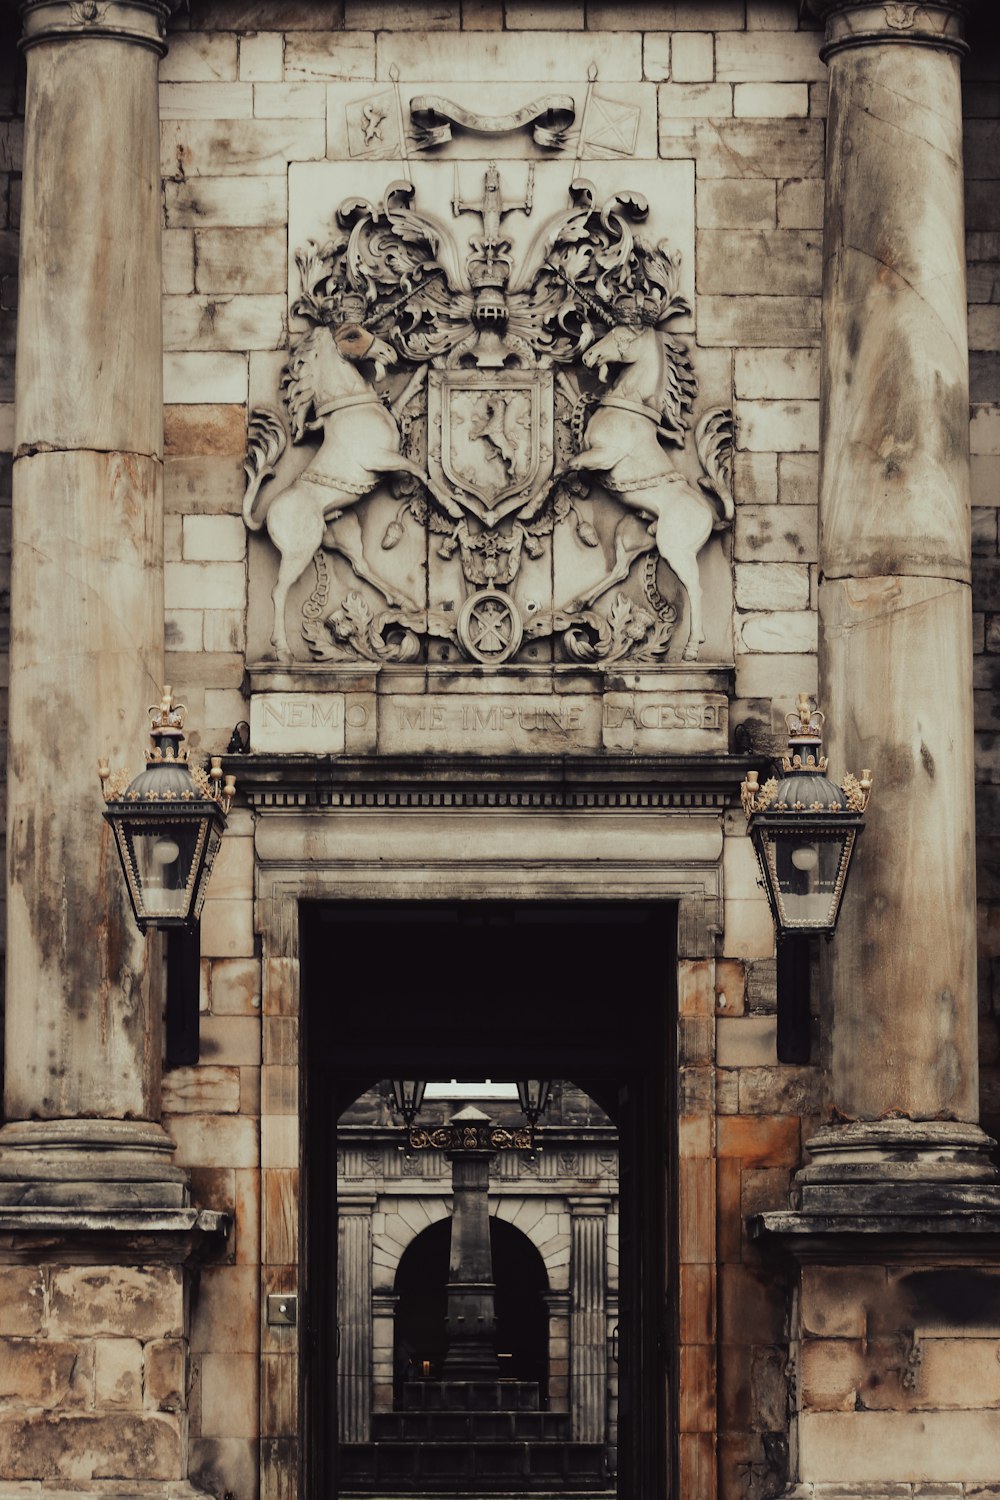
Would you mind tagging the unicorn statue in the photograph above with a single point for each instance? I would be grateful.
(325, 390)
(622, 443)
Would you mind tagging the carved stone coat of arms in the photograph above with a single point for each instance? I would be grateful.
(490, 438)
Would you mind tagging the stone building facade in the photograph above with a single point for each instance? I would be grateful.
(415, 317)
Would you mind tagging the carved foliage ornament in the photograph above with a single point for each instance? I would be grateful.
(496, 410)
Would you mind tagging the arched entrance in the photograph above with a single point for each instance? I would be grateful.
(419, 1334)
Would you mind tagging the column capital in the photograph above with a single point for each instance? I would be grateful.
(593, 1206)
(141, 21)
(361, 1205)
(859, 23)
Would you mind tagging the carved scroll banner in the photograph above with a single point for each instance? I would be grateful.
(549, 120)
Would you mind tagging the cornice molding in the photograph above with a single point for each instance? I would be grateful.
(859, 23)
(694, 783)
(141, 22)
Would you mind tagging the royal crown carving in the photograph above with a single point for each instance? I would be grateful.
(509, 416)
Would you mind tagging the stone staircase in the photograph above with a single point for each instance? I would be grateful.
(477, 1437)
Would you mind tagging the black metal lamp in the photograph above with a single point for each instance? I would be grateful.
(168, 823)
(534, 1096)
(804, 828)
(408, 1096)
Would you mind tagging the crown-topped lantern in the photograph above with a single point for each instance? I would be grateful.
(804, 828)
(168, 822)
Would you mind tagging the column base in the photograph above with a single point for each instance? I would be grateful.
(93, 1166)
(897, 1166)
(882, 1490)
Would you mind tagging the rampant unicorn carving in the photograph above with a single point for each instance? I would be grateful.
(324, 389)
(621, 441)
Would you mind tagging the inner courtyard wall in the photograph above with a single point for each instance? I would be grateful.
(738, 92)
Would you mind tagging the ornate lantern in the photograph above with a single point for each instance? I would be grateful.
(534, 1096)
(408, 1096)
(168, 823)
(804, 828)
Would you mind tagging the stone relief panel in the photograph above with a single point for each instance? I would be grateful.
(587, 118)
(487, 444)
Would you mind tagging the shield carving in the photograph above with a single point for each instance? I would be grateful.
(490, 437)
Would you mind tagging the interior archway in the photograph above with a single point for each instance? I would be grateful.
(420, 1340)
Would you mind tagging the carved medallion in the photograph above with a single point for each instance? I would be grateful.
(489, 443)
(489, 626)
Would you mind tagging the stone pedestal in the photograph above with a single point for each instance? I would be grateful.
(82, 1018)
(895, 601)
(588, 1358)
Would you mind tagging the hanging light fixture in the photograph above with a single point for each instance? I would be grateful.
(168, 823)
(804, 828)
(534, 1096)
(408, 1096)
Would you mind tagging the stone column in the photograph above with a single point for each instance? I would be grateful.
(354, 1318)
(82, 1033)
(895, 604)
(588, 1350)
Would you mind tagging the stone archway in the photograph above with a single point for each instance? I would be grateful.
(522, 1314)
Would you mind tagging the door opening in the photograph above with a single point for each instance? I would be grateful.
(577, 992)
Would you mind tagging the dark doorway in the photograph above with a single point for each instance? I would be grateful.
(582, 991)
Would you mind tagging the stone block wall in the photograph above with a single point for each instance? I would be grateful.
(741, 95)
(213, 1113)
(881, 1344)
(93, 1373)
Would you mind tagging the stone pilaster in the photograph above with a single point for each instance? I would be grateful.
(895, 601)
(557, 1304)
(384, 1306)
(354, 1318)
(82, 1030)
(588, 1352)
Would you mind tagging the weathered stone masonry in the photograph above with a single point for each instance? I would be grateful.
(872, 1366)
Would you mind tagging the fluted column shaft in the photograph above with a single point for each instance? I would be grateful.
(354, 1318)
(894, 599)
(588, 1334)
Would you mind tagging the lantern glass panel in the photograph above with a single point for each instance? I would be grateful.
(212, 848)
(807, 868)
(408, 1094)
(165, 860)
(533, 1094)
